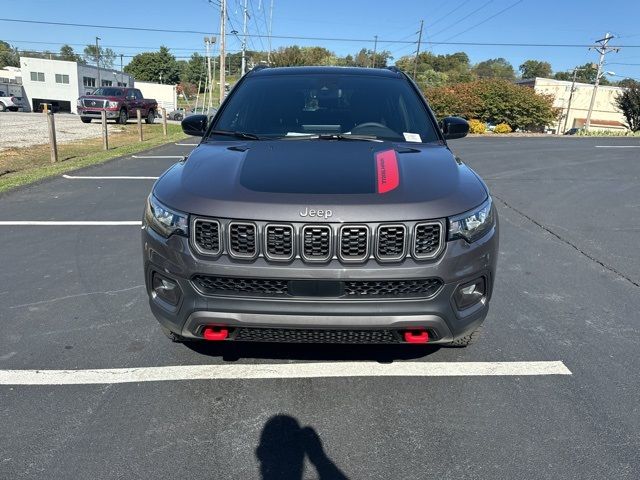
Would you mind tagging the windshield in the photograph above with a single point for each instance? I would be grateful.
(109, 92)
(304, 105)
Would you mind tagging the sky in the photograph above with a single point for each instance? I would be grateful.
(478, 21)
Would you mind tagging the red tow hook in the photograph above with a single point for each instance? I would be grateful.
(215, 333)
(416, 335)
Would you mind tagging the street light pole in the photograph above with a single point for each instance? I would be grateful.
(98, 61)
(223, 15)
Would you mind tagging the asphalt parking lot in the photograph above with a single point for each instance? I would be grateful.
(567, 291)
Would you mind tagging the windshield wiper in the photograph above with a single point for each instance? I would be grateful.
(228, 133)
(333, 136)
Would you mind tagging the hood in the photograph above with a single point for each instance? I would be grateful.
(358, 181)
(102, 97)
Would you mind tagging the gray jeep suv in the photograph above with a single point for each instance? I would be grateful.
(322, 205)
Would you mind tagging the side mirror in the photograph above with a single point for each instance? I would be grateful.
(195, 125)
(454, 127)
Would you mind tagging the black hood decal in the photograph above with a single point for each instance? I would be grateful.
(311, 167)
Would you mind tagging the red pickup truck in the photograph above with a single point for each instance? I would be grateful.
(120, 103)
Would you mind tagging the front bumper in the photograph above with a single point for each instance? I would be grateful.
(457, 265)
(97, 112)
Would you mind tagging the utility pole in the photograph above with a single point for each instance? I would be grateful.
(375, 50)
(602, 49)
(270, 24)
(98, 61)
(244, 38)
(415, 63)
(223, 18)
(573, 89)
(121, 74)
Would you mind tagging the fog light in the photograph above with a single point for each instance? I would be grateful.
(470, 293)
(165, 289)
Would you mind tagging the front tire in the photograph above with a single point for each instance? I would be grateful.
(122, 117)
(151, 117)
(465, 341)
(85, 119)
(2, 107)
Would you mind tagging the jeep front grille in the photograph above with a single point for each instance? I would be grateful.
(278, 242)
(354, 289)
(242, 240)
(427, 240)
(392, 242)
(354, 243)
(316, 243)
(206, 235)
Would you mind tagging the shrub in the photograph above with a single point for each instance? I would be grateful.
(502, 128)
(495, 101)
(476, 126)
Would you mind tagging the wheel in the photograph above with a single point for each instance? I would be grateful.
(85, 119)
(151, 117)
(174, 337)
(465, 341)
(2, 107)
(178, 117)
(123, 117)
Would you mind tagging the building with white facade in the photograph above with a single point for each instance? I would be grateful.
(60, 83)
(574, 108)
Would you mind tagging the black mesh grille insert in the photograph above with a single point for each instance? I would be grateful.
(419, 288)
(316, 242)
(315, 336)
(354, 243)
(392, 288)
(240, 286)
(242, 239)
(279, 241)
(391, 241)
(207, 236)
(427, 239)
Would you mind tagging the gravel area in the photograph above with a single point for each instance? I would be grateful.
(19, 129)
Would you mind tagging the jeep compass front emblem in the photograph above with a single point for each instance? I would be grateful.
(311, 212)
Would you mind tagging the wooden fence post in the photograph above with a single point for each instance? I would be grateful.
(105, 135)
(52, 136)
(139, 114)
(164, 121)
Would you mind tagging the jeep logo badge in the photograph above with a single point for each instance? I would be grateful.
(310, 212)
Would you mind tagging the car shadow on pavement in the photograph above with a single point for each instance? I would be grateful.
(234, 351)
(283, 447)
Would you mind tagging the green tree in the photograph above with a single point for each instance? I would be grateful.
(106, 55)
(628, 82)
(67, 53)
(194, 70)
(495, 68)
(154, 66)
(9, 56)
(494, 100)
(535, 68)
(297, 56)
(586, 74)
(629, 103)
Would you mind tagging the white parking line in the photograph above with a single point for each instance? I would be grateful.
(79, 177)
(188, 144)
(617, 146)
(67, 223)
(280, 370)
(158, 156)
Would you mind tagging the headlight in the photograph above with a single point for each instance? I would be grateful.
(164, 220)
(80, 103)
(472, 225)
(112, 104)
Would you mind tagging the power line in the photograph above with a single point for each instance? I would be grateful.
(439, 19)
(460, 19)
(486, 20)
